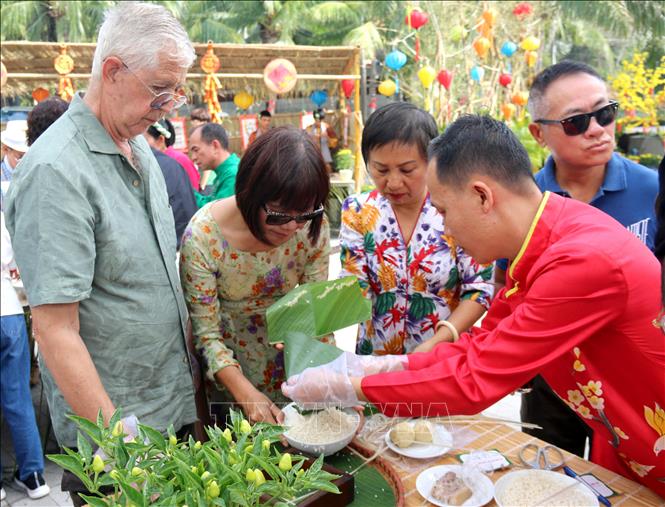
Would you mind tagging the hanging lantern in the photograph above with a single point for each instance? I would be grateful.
(520, 98)
(531, 58)
(243, 100)
(507, 111)
(482, 46)
(522, 10)
(280, 75)
(348, 85)
(40, 94)
(415, 19)
(508, 48)
(457, 33)
(489, 17)
(387, 88)
(3, 74)
(477, 73)
(505, 80)
(530, 43)
(319, 97)
(445, 78)
(427, 75)
(63, 65)
(395, 60)
(210, 65)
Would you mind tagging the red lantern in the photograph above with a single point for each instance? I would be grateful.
(348, 85)
(505, 79)
(415, 19)
(523, 9)
(445, 78)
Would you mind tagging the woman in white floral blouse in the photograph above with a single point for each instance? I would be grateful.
(424, 289)
(241, 254)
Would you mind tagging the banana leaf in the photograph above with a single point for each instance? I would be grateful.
(301, 352)
(317, 309)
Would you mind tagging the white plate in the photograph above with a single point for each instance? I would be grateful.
(442, 441)
(327, 448)
(478, 482)
(558, 480)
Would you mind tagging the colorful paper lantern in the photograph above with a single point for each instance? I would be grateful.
(445, 78)
(348, 85)
(210, 65)
(387, 88)
(63, 65)
(520, 98)
(209, 61)
(505, 79)
(243, 100)
(427, 75)
(530, 43)
(507, 110)
(395, 60)
(415, 19)
(523, 9)
(489, 17)
(477, 73)
(280, 75)
(457, 33)
(508, 48)
(481, 46)
(319, 97)
(531, 58)
(40, 94)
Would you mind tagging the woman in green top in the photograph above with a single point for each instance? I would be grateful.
(241, 254)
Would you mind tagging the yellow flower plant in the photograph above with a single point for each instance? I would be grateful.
(640, 91)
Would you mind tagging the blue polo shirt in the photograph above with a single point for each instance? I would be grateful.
(628, 194)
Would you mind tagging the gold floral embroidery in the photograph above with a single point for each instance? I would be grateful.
(584, 411)
(620, 432)
(578, 365)
(575, 397)
(638, 468)
(656, 419)
(597, 403)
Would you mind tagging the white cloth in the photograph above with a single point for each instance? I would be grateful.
(10, 302)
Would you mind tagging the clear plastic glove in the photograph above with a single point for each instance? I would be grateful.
(371, 365)
(326, 385)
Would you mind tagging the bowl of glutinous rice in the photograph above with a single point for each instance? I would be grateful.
(323, 431)
(543, 488)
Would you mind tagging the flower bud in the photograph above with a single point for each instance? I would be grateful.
(97, 464)
(250, 475)
(212, 490)
(227, 435)
(259, 479)
(173, 440)
(117, 429)
(245, 427)
(285, 463)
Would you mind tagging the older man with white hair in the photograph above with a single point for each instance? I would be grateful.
(94, 237)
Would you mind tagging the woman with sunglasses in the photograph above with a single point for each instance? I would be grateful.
(424, 289)
(241, 254)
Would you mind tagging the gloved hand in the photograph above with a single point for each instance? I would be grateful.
(326, 385)
(371, 365)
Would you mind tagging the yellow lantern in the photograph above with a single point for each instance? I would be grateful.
(243, 100)
(531, 58)
(387, 88)
(530, 43)
(520, 98)
(508, 110)
(427, 75)
(481, 45)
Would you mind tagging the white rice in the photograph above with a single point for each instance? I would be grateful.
(531, 489)
(322, 427)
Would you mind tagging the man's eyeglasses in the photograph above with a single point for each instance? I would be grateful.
(161, 100)
(277, 218)
(579, 124)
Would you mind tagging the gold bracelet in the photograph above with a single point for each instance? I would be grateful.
(450, 326)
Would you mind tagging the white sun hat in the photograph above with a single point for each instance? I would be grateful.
(14, 136)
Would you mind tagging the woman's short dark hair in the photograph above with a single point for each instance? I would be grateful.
(282, 166)
(165, 127)
(398, 122)
(200, 114)
(43, 115)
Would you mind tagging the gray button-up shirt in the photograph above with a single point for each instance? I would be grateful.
(88, 227)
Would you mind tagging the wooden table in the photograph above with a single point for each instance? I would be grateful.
(508, 441)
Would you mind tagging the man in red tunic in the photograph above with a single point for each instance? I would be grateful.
(578, 308)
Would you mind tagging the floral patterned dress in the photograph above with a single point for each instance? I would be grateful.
(228, 291)
(412, 285)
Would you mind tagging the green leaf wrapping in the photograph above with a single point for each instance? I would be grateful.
(317, 309)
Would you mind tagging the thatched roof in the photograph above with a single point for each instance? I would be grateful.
(30, 65)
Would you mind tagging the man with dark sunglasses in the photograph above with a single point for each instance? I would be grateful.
(574, 117)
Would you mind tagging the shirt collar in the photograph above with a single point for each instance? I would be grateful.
(615, 177)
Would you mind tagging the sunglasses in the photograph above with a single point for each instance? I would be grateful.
(277, 218)
(161, 100)
(579, 124)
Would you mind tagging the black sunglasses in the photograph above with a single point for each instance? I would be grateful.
(277, 218)
(578, 124)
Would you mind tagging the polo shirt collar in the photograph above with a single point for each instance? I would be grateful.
(90, 128)
(615, 177)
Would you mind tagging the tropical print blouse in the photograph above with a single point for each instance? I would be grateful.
(228, 291)
(413, 284)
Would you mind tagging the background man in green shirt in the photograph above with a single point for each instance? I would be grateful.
(95, 241)
(209, 149)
